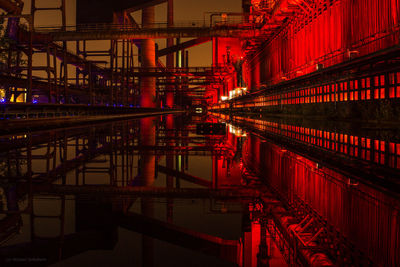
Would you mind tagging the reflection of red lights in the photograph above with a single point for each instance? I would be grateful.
(354, 146)
(325, 191)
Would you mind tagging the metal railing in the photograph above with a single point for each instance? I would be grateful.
(234, 23)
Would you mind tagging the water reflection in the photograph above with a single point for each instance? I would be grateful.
(69, 194)
(158, 192)
(341, 183)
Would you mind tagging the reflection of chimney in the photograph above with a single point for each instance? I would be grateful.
(146, 178)
(148, 160)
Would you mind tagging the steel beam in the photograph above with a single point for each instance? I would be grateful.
(182, 46)
(145, 191)
(149, 33)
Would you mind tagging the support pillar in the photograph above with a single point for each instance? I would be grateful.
(148, 55)
(170, 56)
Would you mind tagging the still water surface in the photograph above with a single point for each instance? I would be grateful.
(189, 191)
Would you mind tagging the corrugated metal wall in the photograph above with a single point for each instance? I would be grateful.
(367, 217)
(359, 26)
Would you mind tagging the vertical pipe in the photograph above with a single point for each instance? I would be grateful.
(30, 52)
(77, 68)
(57, 97)
(128, 71)
(48, 73)
(91, 89)
(29, 85)
(170, 56)
(66, 101)
(116, 100)
(186, 65)
(178, 79)
(122, 78)
(112, 44)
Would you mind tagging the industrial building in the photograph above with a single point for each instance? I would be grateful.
(247, 133)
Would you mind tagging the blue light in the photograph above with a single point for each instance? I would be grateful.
(131, 106)
(34, 101)
(2, 100)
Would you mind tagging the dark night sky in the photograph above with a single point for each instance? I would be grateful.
(185, 10)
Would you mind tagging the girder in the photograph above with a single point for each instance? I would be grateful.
(113, 32)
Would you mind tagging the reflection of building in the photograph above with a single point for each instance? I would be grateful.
(99, 165)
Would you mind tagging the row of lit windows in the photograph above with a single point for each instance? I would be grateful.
(352, 90)
(379, 151)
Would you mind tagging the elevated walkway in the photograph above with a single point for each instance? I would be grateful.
(182, 72)
(158, 31)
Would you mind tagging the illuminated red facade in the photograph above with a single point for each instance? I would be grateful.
(327, 34)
